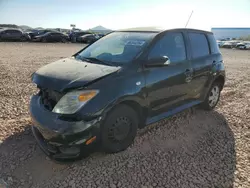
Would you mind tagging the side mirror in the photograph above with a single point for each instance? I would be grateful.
(158, 62)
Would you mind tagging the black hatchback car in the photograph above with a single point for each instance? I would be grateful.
(10, 34)
(51, 37)
(128, 79)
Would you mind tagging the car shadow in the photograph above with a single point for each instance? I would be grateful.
(198, 147)
(199, 144)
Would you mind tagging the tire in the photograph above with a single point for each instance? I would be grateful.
(213, 97)
(119, 129)
(23, 39)
(64, 40)
(44, 40)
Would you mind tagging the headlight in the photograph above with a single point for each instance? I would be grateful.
(73, 101)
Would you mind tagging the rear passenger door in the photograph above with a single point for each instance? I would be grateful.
(201, 63)
(58, 37)
(16, 34)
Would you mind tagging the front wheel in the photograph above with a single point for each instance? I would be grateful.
(119, 129)
(44, 40)
(213, 97)
(23, 39)
(64, 40)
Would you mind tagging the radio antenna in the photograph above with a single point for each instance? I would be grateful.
(189, 19)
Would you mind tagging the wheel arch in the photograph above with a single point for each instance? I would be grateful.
(141, 111)
(220, 79)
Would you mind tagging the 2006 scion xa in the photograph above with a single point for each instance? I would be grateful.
(128, 79)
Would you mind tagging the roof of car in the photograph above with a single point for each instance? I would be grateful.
(86, 35)
(9, 28)
(143, 29)
(159, 30)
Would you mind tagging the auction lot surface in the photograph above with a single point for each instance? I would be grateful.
(192, 149)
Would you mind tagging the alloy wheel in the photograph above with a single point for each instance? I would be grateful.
(214, 96)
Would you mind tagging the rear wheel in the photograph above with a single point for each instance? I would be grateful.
(119, 129)
(213, 97)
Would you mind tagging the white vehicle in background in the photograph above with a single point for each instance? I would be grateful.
(220, 43)
(243, 45)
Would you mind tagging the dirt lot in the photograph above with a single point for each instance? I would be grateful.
(192, 149)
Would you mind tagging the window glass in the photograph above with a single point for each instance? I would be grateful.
(8, 31)
(12, 31)
(213, 44)
(118, 47)
(171, 45)
(53, 34)
(199, 45)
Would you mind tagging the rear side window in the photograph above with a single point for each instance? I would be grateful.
(213, 44)
(171, 45)
(14, 31)
(199, 45)
(8, 31)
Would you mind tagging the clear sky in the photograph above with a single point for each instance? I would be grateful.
(117, 14)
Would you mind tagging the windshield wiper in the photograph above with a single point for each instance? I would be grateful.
(93, 59)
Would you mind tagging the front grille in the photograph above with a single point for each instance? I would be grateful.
(49, 98)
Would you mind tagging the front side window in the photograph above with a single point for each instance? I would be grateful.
(118, 48)
(199, 45)
(8, 31)
(171, 45)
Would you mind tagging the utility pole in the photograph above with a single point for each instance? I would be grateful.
(189, 19)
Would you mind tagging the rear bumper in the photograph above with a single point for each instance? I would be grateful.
(61, 139)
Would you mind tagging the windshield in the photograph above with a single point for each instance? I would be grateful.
(117, 48)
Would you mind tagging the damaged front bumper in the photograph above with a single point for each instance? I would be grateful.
(61, 139)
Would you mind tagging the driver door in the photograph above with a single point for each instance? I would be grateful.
(167, 86)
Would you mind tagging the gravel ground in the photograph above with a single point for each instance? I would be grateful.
(192, 149)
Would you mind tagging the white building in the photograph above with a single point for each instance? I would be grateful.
(222, 33)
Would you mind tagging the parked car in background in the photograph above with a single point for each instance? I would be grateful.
(34, 33)
(88, 38)
(101, 35)
(243, 45)
(74, 36)
(51, 37)
(129, 79)
(13, 35)
(230, 44)
(220, 43)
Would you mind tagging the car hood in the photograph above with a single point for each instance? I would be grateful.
(70, 73)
